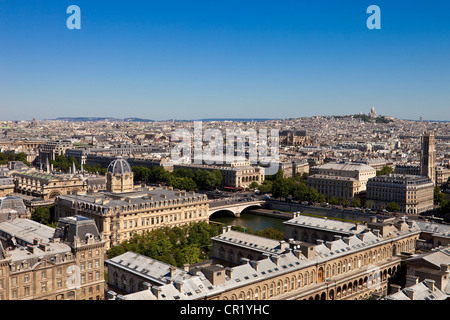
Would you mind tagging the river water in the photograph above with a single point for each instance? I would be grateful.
(253, 221)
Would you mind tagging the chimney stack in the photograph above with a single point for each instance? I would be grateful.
(395, 288)
(156, 291)
(297, 253)
(229, 272)
(410, 293)
(411, 280)
(255, 264)
(172, 271)
(275, 259)
(430, 284)
(346, 240)
(179, 285)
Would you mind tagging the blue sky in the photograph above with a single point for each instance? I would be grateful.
(203, 59)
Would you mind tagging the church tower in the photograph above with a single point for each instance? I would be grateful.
(119, 176)
(428, 157)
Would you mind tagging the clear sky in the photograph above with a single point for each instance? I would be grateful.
(237, 59)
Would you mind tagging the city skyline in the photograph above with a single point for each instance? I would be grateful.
(202, 60)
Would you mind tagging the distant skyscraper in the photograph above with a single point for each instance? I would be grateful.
(372, 113)
(428, 156)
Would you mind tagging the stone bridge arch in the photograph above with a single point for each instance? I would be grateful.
(234, 209)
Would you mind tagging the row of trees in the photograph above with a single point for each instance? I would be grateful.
(176, 246)
(297, 188)
(6, 157)
(180, 245)
(184, 179)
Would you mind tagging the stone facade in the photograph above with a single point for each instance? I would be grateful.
(40, 263)
(123, 210)
(354, 267)
(414, 194)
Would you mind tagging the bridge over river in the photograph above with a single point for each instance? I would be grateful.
(234, 206)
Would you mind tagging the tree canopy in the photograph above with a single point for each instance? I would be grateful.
(176, 246)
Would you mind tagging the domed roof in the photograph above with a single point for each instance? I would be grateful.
(119, 166)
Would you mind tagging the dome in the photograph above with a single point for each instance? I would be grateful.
(119, 166)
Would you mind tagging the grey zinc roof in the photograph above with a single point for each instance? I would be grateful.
(27, 230)
(325, 224)
(147, 267)
(273, 265)
(435, 228)
(421, 292)
(249, 240)
(109, 200)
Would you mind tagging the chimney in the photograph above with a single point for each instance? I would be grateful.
(156, 291)
(346, 240)
(411, 280)
(245, 261)
(146, 285)
(172, 271)
(283, 245)
(336, 237)
(111, 295)
(430, 284)
(319, 241)
(275, 259)
(409, 293)
(395, 288)
(228, 228)
(186, 267)
(297, 254)
(229, 272)
(329, 244)
(376, 232)
(308, 250)
(254, 264)
(179, 285)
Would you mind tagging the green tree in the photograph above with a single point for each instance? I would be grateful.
(393, 207)
(44, 215)
(280, 188)
(253, 185)
(438, 195)
(333, 201)
(321, 198)
(369, 204)
(266, 186)
(356, 203)
(384, 170)
(218, 177)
